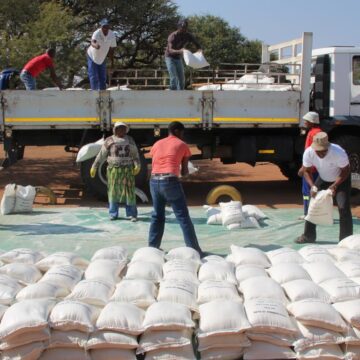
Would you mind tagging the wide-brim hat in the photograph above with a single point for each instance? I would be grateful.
(320, 142)
(312, 117)
(120, 123)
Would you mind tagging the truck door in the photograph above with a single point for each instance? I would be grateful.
(355, 86)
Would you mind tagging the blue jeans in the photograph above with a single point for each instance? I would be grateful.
(176, 72)
(97, 74)
(130, 210)
(28, 80)
(169, 190)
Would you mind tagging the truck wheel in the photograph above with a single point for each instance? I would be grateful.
(290, 170)
(351, 145)
(98, 185)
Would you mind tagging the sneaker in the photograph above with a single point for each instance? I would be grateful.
(133, 219)
(303, 240)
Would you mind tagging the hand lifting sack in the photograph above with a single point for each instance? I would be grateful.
(8, 200)
(89, 151)
(321, 209)
(195, 60)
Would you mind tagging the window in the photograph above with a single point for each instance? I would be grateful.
(356, 70)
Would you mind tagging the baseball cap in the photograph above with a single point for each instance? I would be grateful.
(320, 142)
(312, 117)
(104, 22)
(120, 123)
(182, 23)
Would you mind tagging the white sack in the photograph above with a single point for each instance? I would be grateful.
(350, 311)
(25, 196)
(236, 340)
(25, 316)
(321, 209)
(180, 292)
(26, 256)
(262, 287)
(210, 290)
(322, 271)
(286, 272)
(215, 219)
(7, 205)
(110, 339)
(67, 339)
(65, 353)
(302, 289)
(155, 340)
(3, 308)
(341, 289)
(9, 287)
(315, 253)
(66, 275)
(222, 317)
(111, 253)
(272, 338)
(323, 352)
(184, 253)
(142, 293)
(24, 273)
(352, 352)
(284, 255)
(195, 60)
(108, 270)
(317, 313)
(342, 254)
(89, 151)
(244, 272)
(149, 254)
(351, 242)
(210, 210)
(167, 316)
(217, 270)
(253, 211)
(144, 270)
(225, 353)
(41, 290)
(61, 258)
(249, 222)
(25, 338)
(73, 315)
(265, 351)
(231, 212)
(112, 354)
(26, 352)
(122, 317)
(248, 256)
(183, 353)
(349, 268)
(93, 292)
(268, 315)
(181, 269)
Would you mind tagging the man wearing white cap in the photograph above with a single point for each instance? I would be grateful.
(332, 164)
(103, 42)
(311, 123)
(122, 157)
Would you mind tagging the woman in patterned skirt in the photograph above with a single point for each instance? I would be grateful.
(123, 161)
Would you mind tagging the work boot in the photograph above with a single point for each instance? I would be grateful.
(303, 240)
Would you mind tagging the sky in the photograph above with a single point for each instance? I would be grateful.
(333, 22)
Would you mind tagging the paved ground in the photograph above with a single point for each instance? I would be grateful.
(262, 185)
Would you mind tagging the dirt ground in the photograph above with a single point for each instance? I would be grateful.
(262, 185)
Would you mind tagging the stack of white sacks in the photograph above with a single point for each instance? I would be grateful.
(280, 304)
(234, 215)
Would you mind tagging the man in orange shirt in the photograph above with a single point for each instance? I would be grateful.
(167, 156)
(36, 66)
(311, 123)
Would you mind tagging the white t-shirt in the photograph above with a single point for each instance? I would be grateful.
(328, 167)
(98, 56)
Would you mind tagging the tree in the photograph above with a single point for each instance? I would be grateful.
(222, 43)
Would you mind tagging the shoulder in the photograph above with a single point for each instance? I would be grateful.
(337, 149)
(111, 34)
(309, 152)
(108, 141)
(96, 33)
(172, 35)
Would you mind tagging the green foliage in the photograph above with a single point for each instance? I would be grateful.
(222, 43)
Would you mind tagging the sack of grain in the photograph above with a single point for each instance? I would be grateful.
(231, 212)
(261, 350)
(25, 196)
(144, 270)
(65, 353)
(25, 274)
(67, 339)
(322, 271)
(9, 287)
(184, 253)
(332, 352)
(285, 272)
(181, 269)
(315, 253)
(149, 254)
(321, 208)
(66, 275)
(217, 270)
(284, 255)
(111, 253)
(7, 205)
(108, 270)
(26, 256)
(62, 258)
(105, 339)
(26, 338)
(41, 290)
(244, 272)
(249, 256)
(210, 290)
(351, 242)
(26, 352)
(195, 60)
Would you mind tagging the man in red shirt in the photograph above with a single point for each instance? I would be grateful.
(311, 122)
(167, 156)
(36, 66)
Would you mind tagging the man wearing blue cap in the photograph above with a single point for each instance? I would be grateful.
(173, 54)
(103, 42)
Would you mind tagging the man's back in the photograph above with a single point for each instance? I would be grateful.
(38, 64)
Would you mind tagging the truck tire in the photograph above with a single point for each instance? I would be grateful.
(351, 145)
(98, 185)
(290, 170)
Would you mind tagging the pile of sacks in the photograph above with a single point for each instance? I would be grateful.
(17, 199)
(280, 304)
(234, 215)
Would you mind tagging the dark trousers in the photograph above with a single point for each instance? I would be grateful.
(342, 198)
(170, 191)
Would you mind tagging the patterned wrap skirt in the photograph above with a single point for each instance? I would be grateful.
(121, 185)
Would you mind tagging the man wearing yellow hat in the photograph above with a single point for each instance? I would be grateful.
(123, 161)
(332, 164)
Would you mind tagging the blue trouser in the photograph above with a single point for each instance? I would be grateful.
(97, 74)
(342, 198)
(28, 80)
(176, 73)
(306, 191)
(130, 210)
(169, 191)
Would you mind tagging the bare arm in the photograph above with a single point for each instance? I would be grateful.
(101, 156)
(171, 50)
(344, 174)
(185, 167)
(55, 79)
